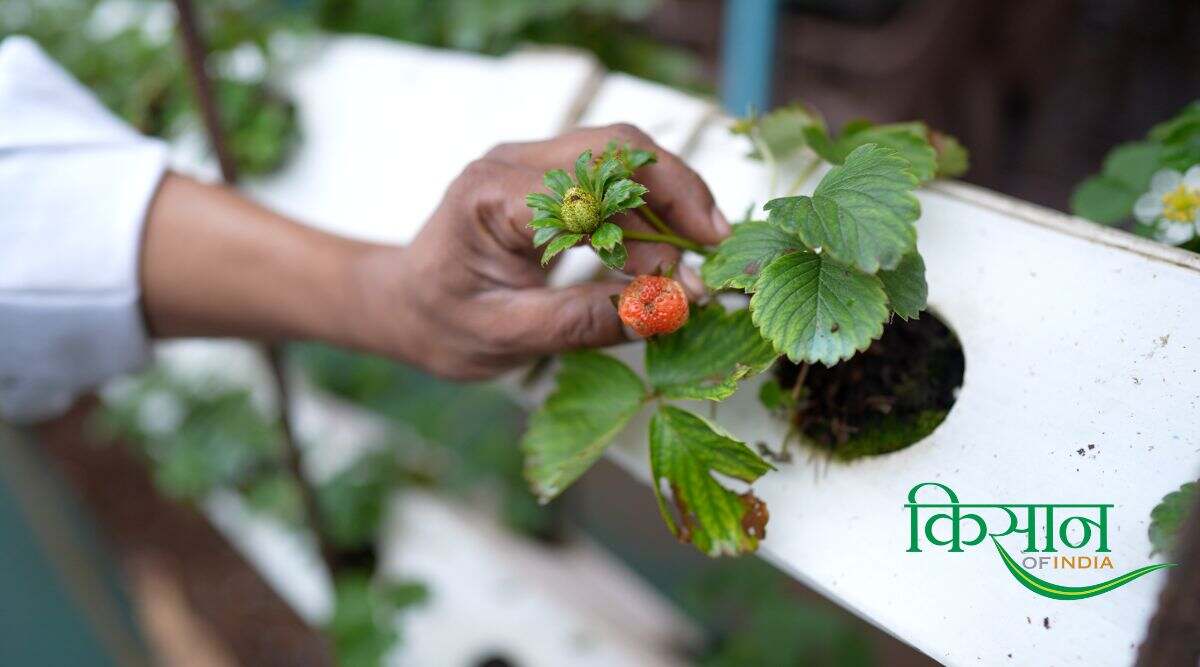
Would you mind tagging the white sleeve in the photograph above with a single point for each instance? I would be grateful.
(75, 183)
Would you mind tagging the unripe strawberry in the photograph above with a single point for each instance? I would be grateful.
(653, 305)
(580, 211)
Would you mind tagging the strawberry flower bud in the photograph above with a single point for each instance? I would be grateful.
(580, 211)
(576, 209)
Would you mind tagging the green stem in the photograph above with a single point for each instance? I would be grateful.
(669, 238)
(650, 216)
(801, 376)
(768, 157)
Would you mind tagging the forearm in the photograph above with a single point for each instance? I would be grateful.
(216, 264)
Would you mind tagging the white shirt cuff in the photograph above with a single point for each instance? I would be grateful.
(75, 185)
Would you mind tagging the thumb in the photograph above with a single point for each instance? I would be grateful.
(557, 319)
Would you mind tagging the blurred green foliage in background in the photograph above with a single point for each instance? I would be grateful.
(207, 435)
(607, 28)
(755, 617)
(204, 436)
(459, 437)
(126, 51)
(363, 628)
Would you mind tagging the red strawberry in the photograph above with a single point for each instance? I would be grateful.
(652, 305)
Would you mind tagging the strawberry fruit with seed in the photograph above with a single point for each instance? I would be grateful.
(653, 305)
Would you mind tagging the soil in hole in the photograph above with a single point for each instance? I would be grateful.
(884, 399)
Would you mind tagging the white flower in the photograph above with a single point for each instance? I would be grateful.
(1172, 206)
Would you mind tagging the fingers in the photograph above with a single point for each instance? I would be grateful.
(494, 188)
(645, 257)
(494, 191)
(692, 284)
(679, 196)
(493, 194)
(677, 193)
(546, 321)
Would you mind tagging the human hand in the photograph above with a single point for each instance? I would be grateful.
(468, 298)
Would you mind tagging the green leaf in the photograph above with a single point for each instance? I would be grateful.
(363, 627)
(1143, 230)
(275, 494)
(1166, 519)
(929, 153)
(606, 236)
(739, 258)
(559, 244)
(861, 213)
(876, 208)
(352, 502)
(595, 397)
(636, 158)
(905, 286)
(542, 220)
(543, 202)
(1181, 157)
(620, 196)
(1108, 197)
(764, 623)
(614, 258)
(357, 632)
(953, 160)
(815, 309)
(774, 397)
(909, 140)
(1182, 128)
(781, 132)
(543, 235)
(805, 218)
(610, 168)
(630, 158)
(1104, 200)
(706, 357)
(402, 594)
(1133, 164)
(685, 451)
(1180, 138)
(558, 181)
(583, 172)
(818, 139)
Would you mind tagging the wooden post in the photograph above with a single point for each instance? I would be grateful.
(195, 52)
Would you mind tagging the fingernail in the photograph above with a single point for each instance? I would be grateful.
(692, 284)
(719, 223)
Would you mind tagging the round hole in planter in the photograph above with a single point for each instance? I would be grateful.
(495, 661)
(882, 400)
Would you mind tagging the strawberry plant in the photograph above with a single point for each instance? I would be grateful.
(823, 272)
(1151, 186)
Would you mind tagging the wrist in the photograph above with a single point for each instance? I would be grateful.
(372, 307)
(216, 264)
(330, 304)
